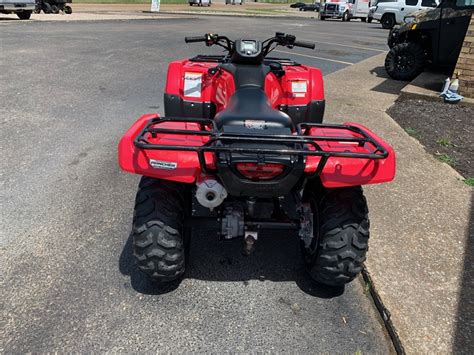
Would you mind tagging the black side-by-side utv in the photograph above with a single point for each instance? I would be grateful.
(429, 37)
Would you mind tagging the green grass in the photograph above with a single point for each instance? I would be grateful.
(445, 158)
(412, 132)
(445, 142)
(469, 181)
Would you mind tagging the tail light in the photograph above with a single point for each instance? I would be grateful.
(255, 171)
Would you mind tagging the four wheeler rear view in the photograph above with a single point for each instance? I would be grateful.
(242, 149)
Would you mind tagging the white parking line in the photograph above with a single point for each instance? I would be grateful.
(346, 45)
(315, 57)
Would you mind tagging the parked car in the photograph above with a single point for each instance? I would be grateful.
(22, 8)
(297, 5)
(311, 7)
(345, 10)
(200, 2)
(391, 12)
(428, 37)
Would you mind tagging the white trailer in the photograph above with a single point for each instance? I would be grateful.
(345, 9)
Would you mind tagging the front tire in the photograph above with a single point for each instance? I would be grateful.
(388, 21)
(341, 236)
(345, 17)
(405, 61)
(24, 15)
(46, 8)
(158, 232)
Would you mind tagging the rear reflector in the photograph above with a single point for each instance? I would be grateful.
(254, 171)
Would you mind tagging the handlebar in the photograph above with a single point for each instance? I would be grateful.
(280, 39)
(304, 44)
(195, 39)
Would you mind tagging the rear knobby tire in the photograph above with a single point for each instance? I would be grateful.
(158, 233)
(343, 238)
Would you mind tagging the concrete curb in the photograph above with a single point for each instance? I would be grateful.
(426, 205)
(427, 86)
(384, 312)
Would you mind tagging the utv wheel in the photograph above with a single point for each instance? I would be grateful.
(158, 233)
(346, 17)
(67, 9)
(388, 21)
(405, 61)
(54, 9)
(46, 8)
(340, 244)
(24, 15)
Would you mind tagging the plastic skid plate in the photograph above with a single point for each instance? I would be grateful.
(185, 166)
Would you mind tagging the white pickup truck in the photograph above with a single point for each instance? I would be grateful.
(22, 8)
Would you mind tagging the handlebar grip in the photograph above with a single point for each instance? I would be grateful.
(195, 39)
(304, 44)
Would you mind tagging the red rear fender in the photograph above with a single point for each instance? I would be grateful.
(180, 166)
(342, 171)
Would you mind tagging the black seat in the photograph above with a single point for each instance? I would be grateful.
(250, 107)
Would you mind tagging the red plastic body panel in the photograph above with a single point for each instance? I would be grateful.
(308, 77)
(219, 88)
(137, 161)
(338, 171)
(176, 74)
(341, 171)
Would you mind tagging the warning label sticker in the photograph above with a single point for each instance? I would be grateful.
(299, 86)
(192, 84)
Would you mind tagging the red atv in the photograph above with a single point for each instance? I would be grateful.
(242, 149)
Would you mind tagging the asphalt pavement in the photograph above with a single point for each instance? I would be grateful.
(68, 91)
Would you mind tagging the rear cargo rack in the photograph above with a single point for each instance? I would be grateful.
(218, 142)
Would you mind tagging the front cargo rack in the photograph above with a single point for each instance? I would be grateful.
(218, 142)
(224, 58)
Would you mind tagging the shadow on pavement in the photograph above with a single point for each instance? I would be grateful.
(464, 336)
(388, 86)
(276, 258)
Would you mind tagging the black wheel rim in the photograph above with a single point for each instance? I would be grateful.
(309, 257)
(404, 62)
